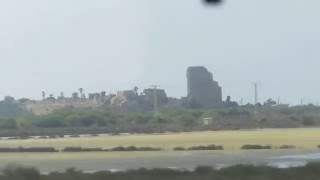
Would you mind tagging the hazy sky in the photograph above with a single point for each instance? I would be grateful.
(62, 45)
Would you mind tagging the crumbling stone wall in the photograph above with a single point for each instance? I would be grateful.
(202, 89)
(124, 97)
(160, 93)
(48, 106)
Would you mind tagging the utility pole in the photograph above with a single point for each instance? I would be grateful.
(155, 99)
(255, 93)
(255, 100)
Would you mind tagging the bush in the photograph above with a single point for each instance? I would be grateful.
(74, 136)
(32, 149)
(6, 123)
(179, 149)
(203, 169)
(80, 149)
(248, 172)
(233, 112)
(141, 118)
(308, 121)
(209, 147)
(186, 120)
(20, 173)
(92, 149)
(120, 148)
(199, 148)
(148, 149)
(11, 110)
(49, 122)
(72, 149)
(24, 137)
(133, 148)
(287, 147)
(248, 146)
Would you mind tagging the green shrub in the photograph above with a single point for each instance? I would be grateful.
(209, 147)
(8, 123)
(248, 146)
(75, 136)
(119, 148)
(12, 110)
(92, 149)
(80, 149)
(179, 149)
(244, 172)
(186, 120)
(287, 147)
(50, 121)
(148, 149)
(31, 149)
(203, 169)
(20, 173)
(133, 148)
(308, 121)
(72, 149)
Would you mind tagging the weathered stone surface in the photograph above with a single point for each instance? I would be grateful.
(160, 93)
(124, 97)
(48, 106)
(202, 89)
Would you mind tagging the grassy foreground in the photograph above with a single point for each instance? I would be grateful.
(307, 139)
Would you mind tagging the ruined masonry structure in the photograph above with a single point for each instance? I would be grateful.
(202, 89)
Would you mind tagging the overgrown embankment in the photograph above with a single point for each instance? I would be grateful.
(182, 120)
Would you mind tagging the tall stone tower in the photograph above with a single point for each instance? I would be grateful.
(202, 89)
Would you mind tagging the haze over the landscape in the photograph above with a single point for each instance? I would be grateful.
(112, 45)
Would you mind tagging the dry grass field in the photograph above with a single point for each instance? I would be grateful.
(307, 139)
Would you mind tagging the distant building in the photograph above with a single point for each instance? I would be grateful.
(145, 100)
(9, 99)
(202, 89)
(124, 97)
(160, 94)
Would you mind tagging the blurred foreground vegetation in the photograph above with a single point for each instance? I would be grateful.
(239, 172)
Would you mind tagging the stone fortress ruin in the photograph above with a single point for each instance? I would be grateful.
(202, 90)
